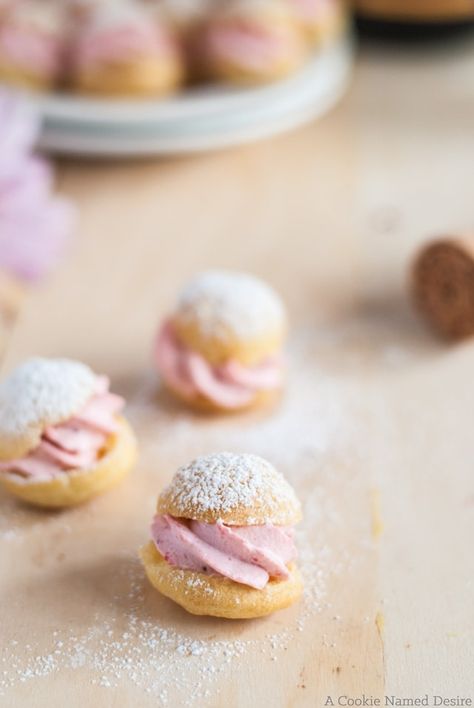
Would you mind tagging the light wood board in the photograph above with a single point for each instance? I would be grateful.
(375, 428)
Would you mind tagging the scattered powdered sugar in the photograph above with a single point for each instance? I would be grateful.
(227, 304)
(42, 391)
(225, 481)
(19, 521)
(133, 646)
(315, 416)
(131, 637)
(9, 535)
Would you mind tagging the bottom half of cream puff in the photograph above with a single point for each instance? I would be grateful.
(77, 458)
(229, 385)
(239, 566)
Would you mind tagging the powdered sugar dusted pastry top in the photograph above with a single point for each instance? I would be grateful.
(228, 305)
(236, 489)
(228, 515)
(222, 345)
(38, 394)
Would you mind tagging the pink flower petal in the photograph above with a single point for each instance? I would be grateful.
(35, 225)
(29, 182)
(19, 128)
(32, 242)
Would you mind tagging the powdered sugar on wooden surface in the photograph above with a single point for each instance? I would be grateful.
(227, 303)
(137, 647)
(133, 637)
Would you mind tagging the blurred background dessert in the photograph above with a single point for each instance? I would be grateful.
(139, 48)
(121, 50)
(250, 41)
(414, 19)
(33, 42)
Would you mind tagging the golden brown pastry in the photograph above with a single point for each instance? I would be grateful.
(121, 50)
(223, 541)
(221, 347)
(63, 439)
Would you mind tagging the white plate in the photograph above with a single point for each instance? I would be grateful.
(200, 119)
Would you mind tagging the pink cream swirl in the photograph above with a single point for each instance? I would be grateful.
(250, 555)
(246, 44)
(230, 385)
(32, 50)
(74, 444)
(120, 43)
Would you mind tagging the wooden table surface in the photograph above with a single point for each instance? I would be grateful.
(375, 430)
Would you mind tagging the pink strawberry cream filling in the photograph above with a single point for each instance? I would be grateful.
(74, 444)
(230, 385)
(121, 43)
(247, 44)
(250, 555)
(34, 51)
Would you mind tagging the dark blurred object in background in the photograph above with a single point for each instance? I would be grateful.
(414, 20)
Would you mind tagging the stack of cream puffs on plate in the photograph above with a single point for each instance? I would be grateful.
(151, 48)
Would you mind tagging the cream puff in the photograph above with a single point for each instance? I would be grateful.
(250, 42)
(33, 38)
(320, 20)
(221, 347)
(222, 541)
(120, 50)
(63, 439)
